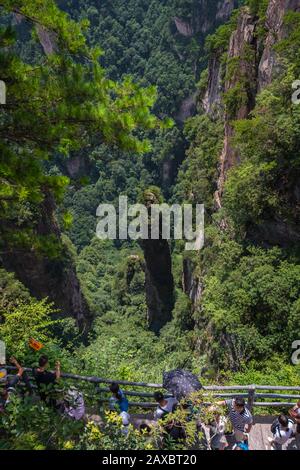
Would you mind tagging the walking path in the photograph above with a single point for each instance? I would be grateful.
(258, 440)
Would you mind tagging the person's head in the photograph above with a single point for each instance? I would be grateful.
(145, 428)
(239, 404)
(115, 389)
(43, 361)
(4, 393)
(159, 397)
(283, 421)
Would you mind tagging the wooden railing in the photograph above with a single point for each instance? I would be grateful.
(254, 394)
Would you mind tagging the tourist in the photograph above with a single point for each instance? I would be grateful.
(295, 414)
(282, 430)
(119, 403)
(46, 380)
(165, 405)
(240, 418)
(216, 429)
(73, 404)
(11, 384)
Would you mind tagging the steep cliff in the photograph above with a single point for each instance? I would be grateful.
(199, 19)
(275, 31)
(236, 75)
(246, 90)
(203, 15)
(250, 65)
(159, 281)
(192, 284)
(50, 276)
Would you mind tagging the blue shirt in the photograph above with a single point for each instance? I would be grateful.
(122, 401)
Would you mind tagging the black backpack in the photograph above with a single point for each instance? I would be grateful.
(274, 426)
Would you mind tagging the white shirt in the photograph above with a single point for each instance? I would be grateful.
(168, 408)
(283, 435)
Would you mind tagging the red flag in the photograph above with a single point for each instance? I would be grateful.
(36, 345)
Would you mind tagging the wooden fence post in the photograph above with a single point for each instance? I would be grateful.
(251, 397)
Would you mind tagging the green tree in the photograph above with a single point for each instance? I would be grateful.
(28, 320)
(60, 104)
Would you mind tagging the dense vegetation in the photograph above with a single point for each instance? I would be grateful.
(103, 111)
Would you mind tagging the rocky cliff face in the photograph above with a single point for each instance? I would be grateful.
(256, 65)
(191, 284)
(254, 74)
(47, 40)
(276, 31)
(242, 40)
(159, 281)
(204, 16)
(53, 278)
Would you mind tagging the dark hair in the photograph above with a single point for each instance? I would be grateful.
(43, 360)
(114, 387)
(240, 402)
(145, 427)
(158, 396)
(283, 420)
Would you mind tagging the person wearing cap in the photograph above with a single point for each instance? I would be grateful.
(165, 406)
